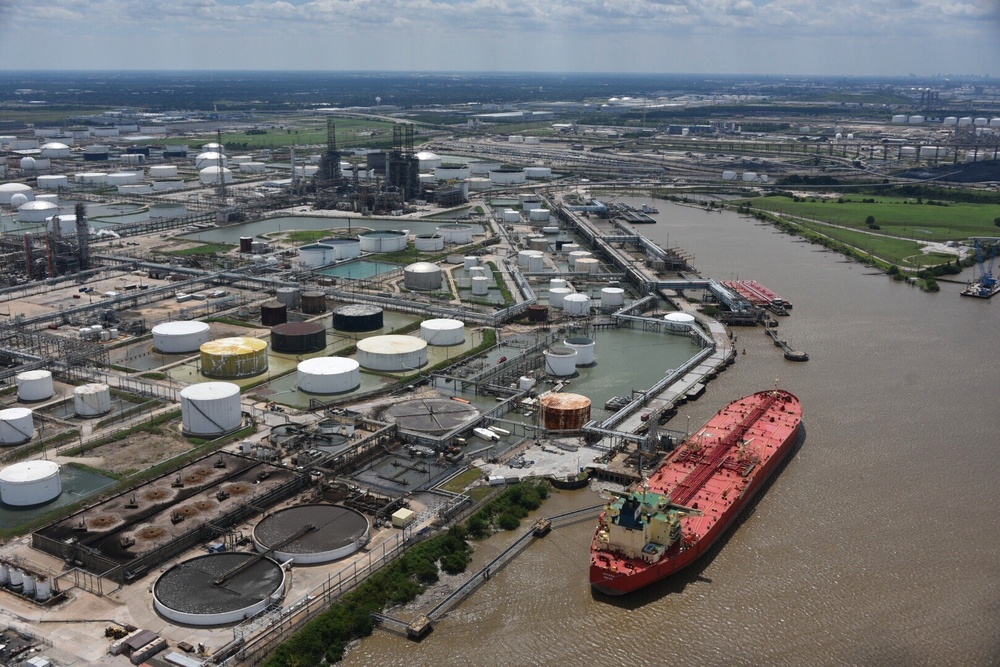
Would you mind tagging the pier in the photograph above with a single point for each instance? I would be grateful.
(790, 354)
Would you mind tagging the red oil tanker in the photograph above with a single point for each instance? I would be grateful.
(665, 523)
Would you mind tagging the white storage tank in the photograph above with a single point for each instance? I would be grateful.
(43, 588)
(36, 211)
(30, 483)
(9, 190)
(92, 400)
(951, 120)
(550, 230)
(525, 382)
(612, 297)
(480, 285)
(383, 241)
(209, 159)
(34, 386)
(584, 349)
(524, 257)
(536, 263)
(55, 149)
(507, 176)
(328, 375)
(316, 254)
(994, 122)
(470, 261)
(52, 181)
(567, 248)
(91, 178)
(163, 171)
(929, 151)
(423, 276)
(210, 408)
(587, 265)
(180, 337)
(560, 361)
(908, 151)
(124, 178)
(456, 233)
(538, 172)
(450, 171)
(288, 296)
(900, 118)
(393, 353)
(215, 175)
(511, 215)
(679, 321)
(576, 304)
(575, 255)
(442, 332)
(17, 426)
(343, 248)
(233, 358)
(557, 282)
(253, 168)
(428, 242)
(965, 121)
(538, 215)
(980, 122)
(557, 296)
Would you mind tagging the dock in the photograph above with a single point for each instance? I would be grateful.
(790, 354)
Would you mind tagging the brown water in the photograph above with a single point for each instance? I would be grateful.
(877, 544)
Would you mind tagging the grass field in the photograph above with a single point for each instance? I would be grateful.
(902, 218)
(350, 132)
(203, 249)
(901, 252)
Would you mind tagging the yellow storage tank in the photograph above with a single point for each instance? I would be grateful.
(233, 358)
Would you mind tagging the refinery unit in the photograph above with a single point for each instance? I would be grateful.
(300, 402)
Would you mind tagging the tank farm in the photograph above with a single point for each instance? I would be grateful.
(227, 449)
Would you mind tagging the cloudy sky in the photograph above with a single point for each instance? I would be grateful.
(862, 37)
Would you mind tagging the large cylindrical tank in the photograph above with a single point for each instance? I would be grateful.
(179, 337)
(91, 178)
(298, 337)
(480, 285)
(456, 233)
(288, 296)
(916, 119)
(253, 167)
(538, 215)
(392, 353)
(567, 248)
(557, 282)
(587, 265)
(273, 313)
(524, 257)
(679, 321)
(43, 588)
(163, 171)
(584, 349)
(17, 426)
(536, 263)
(538, 313)
(539, 242)
(316, 254)
(442, 332)
(423, 276)
(210, 408)
(507, 176)
(470, 262)
(30, 483)
(576, 304)
(538, 172)
(36, 211)
(383, 241)
(34, 386)
(53, 181)
(612, 297)
(232, 358)
(92, 400)
(343, 248)
(560, 361)
(557, 296)
(428, 242)
(339, 533)
(328, 375)
(564, 411)
(575, 255)
(209, 159)
(313, 302)
(357, 318)
(124, 178)
(246, 244)
(511, 215)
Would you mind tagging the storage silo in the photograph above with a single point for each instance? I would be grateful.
(30, 483)
(218, 589)
(584, 347)
(679, 321)
(383, 241)
(456, 233)
(338, 532)
(210, 408)
(358, 318)
(233, 358)
(328, 375)
(423, 276)
(428, 242)
(273, 313)
(34, 386)
(557, 296)
(480, 285)
(612, 297)
(576, 304)
(392, 353)
(92, 400)
(288, 296)
(560, 361)
(17, 426)
(313, 302)
(564, 411)
(179, 337)
(443, 332)
(298, 337)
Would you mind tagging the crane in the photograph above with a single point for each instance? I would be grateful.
(985, 285)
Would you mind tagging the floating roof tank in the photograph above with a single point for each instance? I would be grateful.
(232, 358)
(328, 375)
(30, 483)
(564, 411)
(210, 408)
(181, 336)
(392, 353)
(17, 426)
(442, 332)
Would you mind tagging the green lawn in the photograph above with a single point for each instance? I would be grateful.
(203, 249)
(350, 132)
(457, 484)
(902, 252)
(903, 218)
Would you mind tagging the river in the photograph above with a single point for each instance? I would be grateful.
(878, 542)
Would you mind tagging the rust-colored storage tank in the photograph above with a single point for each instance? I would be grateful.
(246, 244)
(538, 313)
(564, 411)
(273, 313)
(313, 303)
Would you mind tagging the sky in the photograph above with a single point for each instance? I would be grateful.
(793, 37)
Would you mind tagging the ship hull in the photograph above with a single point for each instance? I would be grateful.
(628, 575)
